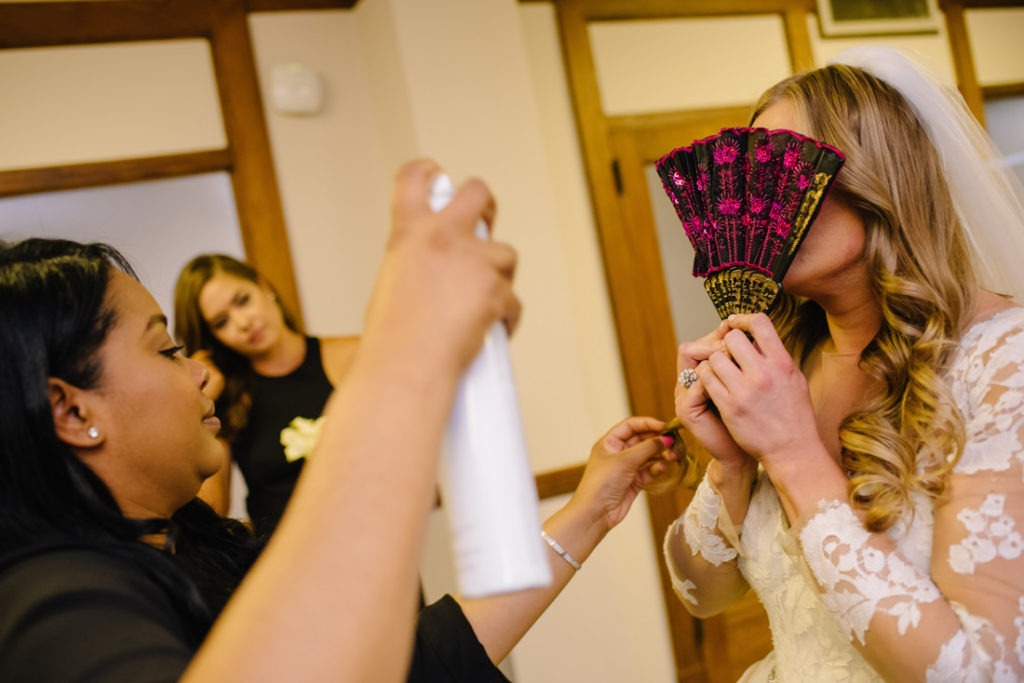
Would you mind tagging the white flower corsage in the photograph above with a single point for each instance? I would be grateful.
(300, 437)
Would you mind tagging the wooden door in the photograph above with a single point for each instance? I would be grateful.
(725, 645)
(619, 152)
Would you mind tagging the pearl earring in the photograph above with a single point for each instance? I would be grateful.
(93, 433)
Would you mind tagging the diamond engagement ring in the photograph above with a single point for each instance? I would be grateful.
(687, 377)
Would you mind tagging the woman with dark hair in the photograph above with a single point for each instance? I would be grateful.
(112, 570)
(267, 377)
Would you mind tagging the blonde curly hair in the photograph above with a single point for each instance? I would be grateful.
(907, 439)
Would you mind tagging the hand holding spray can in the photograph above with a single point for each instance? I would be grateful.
(487, 487)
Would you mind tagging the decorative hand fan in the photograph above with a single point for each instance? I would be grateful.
(746, 197)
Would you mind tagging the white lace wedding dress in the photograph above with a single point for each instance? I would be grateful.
(947, 596)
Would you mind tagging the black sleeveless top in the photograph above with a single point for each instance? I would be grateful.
(258, 450)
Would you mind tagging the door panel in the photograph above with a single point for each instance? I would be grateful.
(727, 644)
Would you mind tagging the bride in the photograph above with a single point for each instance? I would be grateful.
(867, 479)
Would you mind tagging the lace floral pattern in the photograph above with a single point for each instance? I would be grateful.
(860, 580)
(682, 586)
(700, 527)
(942, 592)
(990, 535)
(954, 664)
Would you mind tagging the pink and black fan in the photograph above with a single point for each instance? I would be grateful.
(746, 197)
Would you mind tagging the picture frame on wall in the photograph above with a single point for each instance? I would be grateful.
(877, 17)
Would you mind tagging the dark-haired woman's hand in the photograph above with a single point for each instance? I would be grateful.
(628, 458)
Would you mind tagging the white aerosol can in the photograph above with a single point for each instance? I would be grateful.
(487, 487)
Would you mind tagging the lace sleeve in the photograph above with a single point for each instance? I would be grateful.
(960, 615)
(707, 533)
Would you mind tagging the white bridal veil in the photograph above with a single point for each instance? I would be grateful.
(988, 195)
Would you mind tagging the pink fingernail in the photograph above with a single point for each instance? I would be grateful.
(668, 440)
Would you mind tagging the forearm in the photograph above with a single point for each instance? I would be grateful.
(904, 623)
(501, 621)
(960, 613)
(701, 547)
(804, 480)
(333, 596)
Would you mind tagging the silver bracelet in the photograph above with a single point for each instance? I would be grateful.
(560, 550)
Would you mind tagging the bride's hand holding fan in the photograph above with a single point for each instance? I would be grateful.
(697, 413)
(760, 393)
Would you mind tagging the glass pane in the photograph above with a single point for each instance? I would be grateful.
(693, 315)
(1005, 119)
(158, 225)
(669, 64)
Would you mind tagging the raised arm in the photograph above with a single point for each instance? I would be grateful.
(621, 463)
(333, 597)
(702, 546)
(961, 616)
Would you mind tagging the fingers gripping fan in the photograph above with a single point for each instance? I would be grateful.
(746, 197)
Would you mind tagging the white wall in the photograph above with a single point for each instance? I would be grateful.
(158, 225)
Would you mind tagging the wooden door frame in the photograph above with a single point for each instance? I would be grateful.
(615, 150)
(247, 157)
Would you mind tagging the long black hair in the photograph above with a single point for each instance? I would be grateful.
(54, 317)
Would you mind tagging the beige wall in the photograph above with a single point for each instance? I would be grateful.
(479, 85)
(103, 102)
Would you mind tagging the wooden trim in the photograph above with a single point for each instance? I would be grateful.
(994, 92)
(549, 484)
(612, 10)
(248, 156)
(642, 339)
(798, 40)
(690, 119)
(78, 176)
(81, 23)
(112, 21)
(619, 262)
(257, 197)
(980, 4)
(558, 482)
(963, 59)
(292, 5)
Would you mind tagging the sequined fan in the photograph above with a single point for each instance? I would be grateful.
(746, 198)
